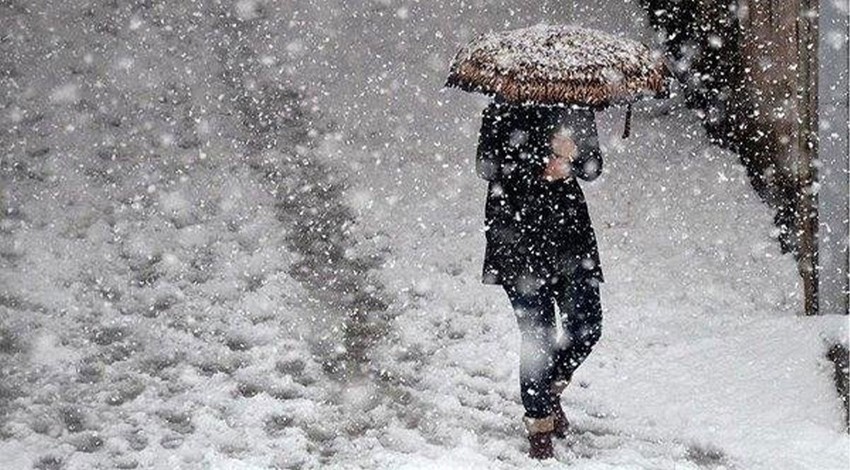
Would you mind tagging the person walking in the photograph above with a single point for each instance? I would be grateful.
(541, 247)
(538, 137)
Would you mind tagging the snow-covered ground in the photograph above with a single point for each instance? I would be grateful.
(178, 290)
(703, 361)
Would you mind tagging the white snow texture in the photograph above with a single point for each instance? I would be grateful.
(248, 234)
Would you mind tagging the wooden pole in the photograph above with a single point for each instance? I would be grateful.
(807, 177)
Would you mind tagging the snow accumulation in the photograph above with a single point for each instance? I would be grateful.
(201, 269)
(552, 52)
(703, 362)
(558, 64)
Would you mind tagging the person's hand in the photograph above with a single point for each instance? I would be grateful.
(559, 165)
(564, 146)
(557, 168)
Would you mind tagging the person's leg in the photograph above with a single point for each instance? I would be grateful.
(535, 314)
(581, 314)
(560, 291)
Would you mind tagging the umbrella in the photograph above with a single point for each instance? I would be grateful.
(552, 65)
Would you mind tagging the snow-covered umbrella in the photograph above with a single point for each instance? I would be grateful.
(560, 65)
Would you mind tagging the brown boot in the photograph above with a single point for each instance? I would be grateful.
(561, 423)
(540, 432)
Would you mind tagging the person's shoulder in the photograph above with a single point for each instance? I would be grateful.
(499, 106)
(499, 111)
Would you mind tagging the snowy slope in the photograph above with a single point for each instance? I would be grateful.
(162, 196)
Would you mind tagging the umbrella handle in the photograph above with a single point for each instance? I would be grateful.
(627, 129)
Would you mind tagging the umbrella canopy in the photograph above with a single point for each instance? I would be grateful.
(559, 65)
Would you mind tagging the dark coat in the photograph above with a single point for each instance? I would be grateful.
(536, 230)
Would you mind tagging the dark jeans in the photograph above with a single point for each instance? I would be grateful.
(543, 358)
